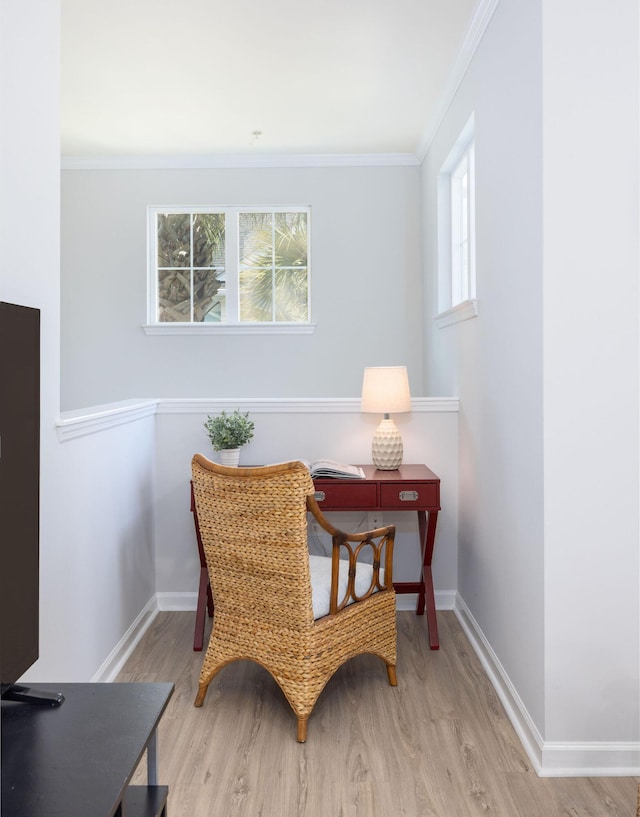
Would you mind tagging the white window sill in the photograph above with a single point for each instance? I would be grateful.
(229, 328)
(459, 312)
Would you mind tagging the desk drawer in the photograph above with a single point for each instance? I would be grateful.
(406, 495)
(349, 496)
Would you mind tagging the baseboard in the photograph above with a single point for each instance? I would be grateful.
(123, 649)
(445, 600)
(514, 707)
(595, 759)
(177, 602)
(549, 759)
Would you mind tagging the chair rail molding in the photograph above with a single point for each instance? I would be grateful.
(82, 422)
(302, 405)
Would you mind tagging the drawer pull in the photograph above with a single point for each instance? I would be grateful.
(319, 496)
(408, 496)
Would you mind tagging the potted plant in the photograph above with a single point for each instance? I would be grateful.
(228, 433)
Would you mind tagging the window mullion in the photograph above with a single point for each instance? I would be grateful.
(455, 239)
(153, 306)
(232, 264)
(191, 273)
(273, 266)
(472, 222)
(467, 270)
(464, 226)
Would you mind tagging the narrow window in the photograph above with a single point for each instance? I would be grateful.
(456, 232)
(462, 229)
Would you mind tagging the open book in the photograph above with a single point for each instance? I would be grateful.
(336, 470)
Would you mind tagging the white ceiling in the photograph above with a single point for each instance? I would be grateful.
(198, 77)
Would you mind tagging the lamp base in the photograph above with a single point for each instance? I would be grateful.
(386, 448)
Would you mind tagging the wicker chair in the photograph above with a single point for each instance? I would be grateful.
(253, 524)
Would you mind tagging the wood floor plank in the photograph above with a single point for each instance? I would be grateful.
(437, 745)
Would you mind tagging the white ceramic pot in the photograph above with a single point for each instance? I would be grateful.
(230, 456)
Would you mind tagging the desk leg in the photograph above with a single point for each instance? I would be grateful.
(204, 593)
(427, 531)
(205, 599)
(152, 759)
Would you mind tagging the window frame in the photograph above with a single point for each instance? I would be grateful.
(457, 299)
(232, 275)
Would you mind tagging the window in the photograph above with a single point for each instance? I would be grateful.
(228, 267)
(273, 271)
(189, 268)
(456, 232)
(462, 261)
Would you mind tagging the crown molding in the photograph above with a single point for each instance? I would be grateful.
(482, 17)
(217, 161)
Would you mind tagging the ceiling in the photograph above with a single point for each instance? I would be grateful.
(204, 77)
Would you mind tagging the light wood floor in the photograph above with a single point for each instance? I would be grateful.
(437, 745)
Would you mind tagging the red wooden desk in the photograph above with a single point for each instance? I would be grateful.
(410, 488)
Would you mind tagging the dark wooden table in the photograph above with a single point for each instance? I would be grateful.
(77, 760)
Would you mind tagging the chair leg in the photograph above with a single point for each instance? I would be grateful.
(391, 673)
(202, 691)
(302, 730)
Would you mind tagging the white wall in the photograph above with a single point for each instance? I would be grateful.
(366, 285)
(591, 219)
(96, 567)
(547, 375)
(105, 571)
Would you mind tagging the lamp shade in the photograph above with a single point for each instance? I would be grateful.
(385, 390)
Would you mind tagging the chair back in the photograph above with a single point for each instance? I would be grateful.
(253, 525)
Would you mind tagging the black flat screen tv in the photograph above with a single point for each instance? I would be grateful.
(19, 500)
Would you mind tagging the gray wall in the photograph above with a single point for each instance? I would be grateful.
(494, 361)
(366, 286)
(547, 374)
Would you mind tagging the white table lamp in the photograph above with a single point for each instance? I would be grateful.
(385, 390)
